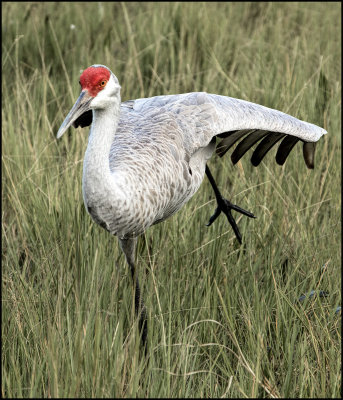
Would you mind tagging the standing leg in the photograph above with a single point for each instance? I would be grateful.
(225, 206)
(129, 249)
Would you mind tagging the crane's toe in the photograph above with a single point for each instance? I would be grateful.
(226, 206)
(214, 216)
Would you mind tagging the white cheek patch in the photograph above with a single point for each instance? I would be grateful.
(108, 95)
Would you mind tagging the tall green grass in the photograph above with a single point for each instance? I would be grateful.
(225, 320)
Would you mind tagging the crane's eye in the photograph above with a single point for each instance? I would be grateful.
(102, 83)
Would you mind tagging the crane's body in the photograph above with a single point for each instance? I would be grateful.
(149, 175)
(147, 157)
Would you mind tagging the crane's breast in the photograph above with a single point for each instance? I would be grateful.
(152, 168)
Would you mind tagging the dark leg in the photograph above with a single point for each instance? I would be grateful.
(225, 206)
(129, 247)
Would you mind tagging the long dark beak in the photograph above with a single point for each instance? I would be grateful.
(81, 106)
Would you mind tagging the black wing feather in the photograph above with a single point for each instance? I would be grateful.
(246, 143)
(308, 152)
(285, 148)
(84, 119)
(224, 145)
(264, 146)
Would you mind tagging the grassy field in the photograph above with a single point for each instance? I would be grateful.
(225, 320)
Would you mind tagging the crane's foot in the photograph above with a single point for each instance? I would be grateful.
(226, 206)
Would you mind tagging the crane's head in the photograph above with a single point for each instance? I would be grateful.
(99, 89)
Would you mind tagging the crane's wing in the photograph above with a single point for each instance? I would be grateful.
(249, 123)
(205, 116)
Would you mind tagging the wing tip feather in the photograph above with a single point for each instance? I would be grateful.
(308, 153)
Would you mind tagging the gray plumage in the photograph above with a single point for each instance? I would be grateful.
(147, 157)
(161, 146)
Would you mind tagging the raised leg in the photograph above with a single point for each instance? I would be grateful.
(225, 206)
(129, 249)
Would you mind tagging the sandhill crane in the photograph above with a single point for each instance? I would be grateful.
(147, 157)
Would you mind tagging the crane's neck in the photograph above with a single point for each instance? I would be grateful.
(97, 177)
